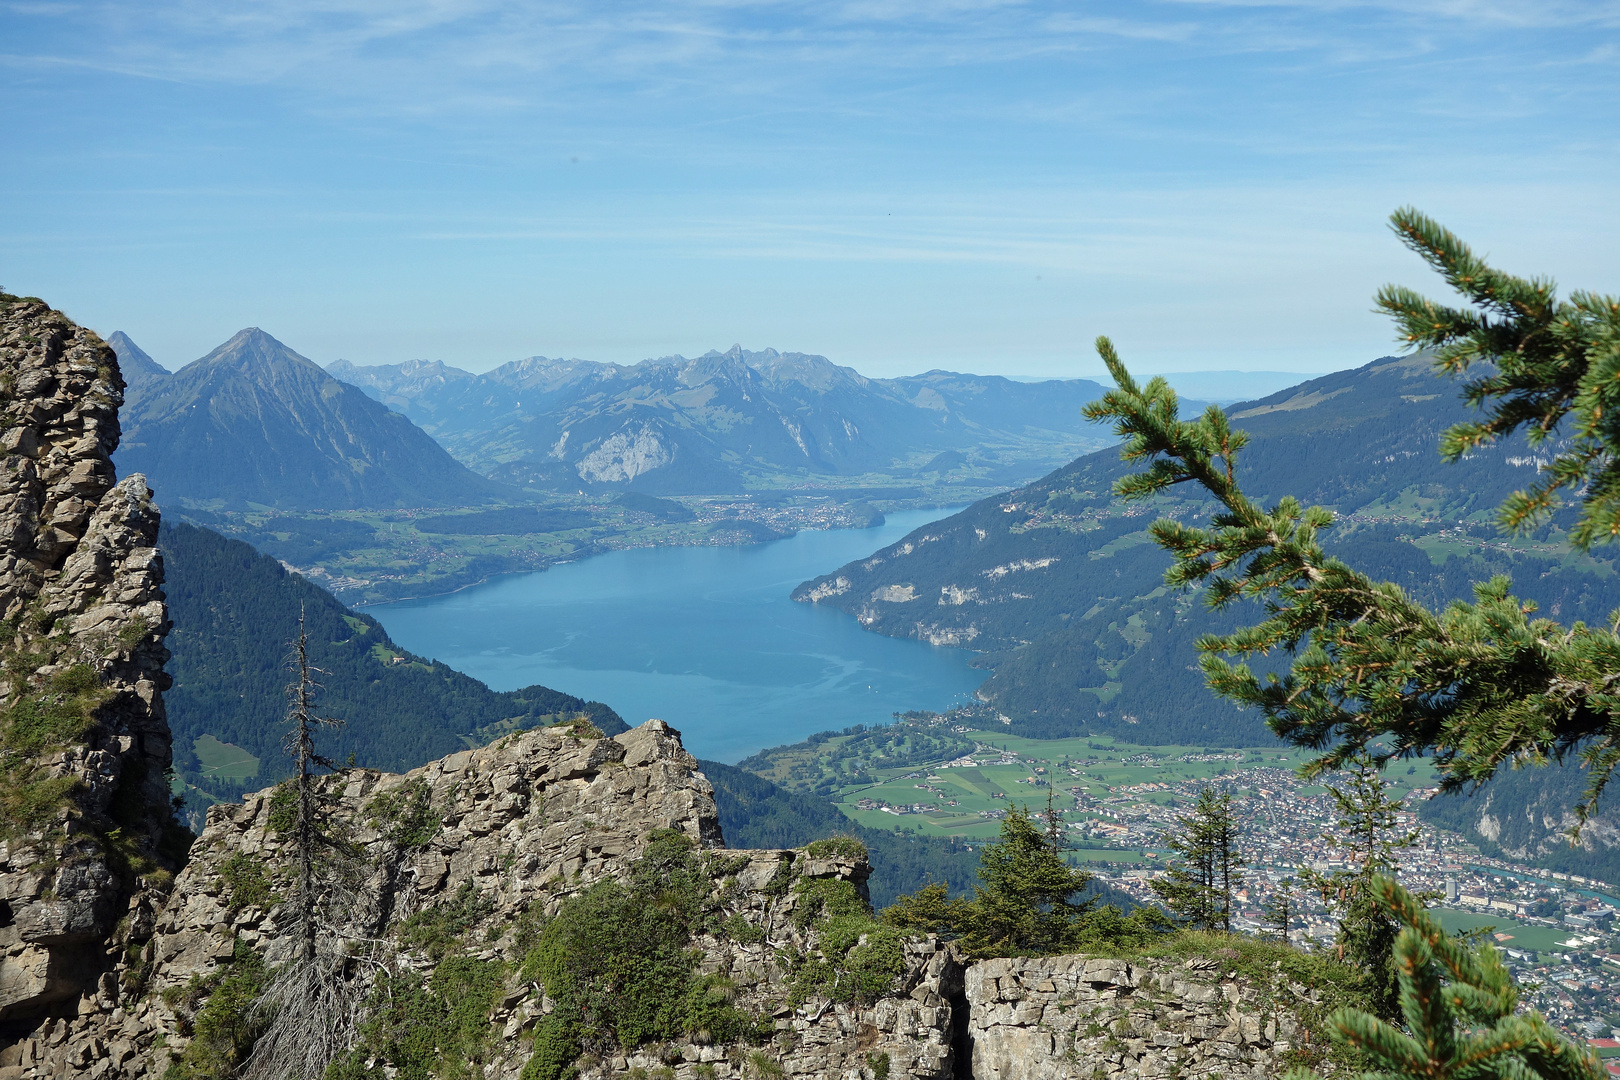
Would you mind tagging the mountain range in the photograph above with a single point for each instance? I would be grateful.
(726, 420)
(1060, 589)
(253, 422)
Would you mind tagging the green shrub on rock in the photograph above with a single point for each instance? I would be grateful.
(433, 1026)
(616, 960)
(225, 1024)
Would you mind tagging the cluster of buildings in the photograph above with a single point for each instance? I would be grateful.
(1562, 946)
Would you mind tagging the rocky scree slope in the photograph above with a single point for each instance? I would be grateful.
(87, 838)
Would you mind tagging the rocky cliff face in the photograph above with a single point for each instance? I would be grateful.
(1063, 1016)
(87, 843)
(477, 848)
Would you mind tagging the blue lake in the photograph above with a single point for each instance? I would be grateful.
(702, 637)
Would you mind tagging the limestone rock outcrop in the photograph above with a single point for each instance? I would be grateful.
(1075, 1016)
(522, 824)
(87, 837)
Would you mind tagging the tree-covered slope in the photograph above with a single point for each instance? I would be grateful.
(1059, 586)
(254, 422)
(235, 612)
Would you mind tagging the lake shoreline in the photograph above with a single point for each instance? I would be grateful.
(704, 636)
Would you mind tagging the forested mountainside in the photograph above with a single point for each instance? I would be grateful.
(1058, 584)
(723, 420)
(235, 613)
(254, 422)
(1526, 815)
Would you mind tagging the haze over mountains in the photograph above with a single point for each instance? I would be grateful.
(723, 421)
(255, 422)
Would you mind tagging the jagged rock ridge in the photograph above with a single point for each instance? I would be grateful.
(523, 824)
(87, 838)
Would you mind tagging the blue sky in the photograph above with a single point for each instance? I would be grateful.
(898, 185)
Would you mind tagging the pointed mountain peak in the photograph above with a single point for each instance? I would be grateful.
(132, 356)
(253, 351)
(140, 371)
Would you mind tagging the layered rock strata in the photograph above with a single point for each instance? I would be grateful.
(1075, 1016)
(87, 838)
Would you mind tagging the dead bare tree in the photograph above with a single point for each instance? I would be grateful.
(313, 1008)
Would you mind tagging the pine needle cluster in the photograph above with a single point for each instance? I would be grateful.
(1476, 685)
(1457, 1018)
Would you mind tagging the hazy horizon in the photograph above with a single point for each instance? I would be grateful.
(1197, 379)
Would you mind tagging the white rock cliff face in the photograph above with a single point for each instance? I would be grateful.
(1073, 1016)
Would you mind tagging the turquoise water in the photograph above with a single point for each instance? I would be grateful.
(702, 637)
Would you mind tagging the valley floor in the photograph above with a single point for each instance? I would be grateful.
(955, 775)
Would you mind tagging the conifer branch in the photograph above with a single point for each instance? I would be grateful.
(1476, 685)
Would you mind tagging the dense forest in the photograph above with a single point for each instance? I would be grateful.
(235, 613)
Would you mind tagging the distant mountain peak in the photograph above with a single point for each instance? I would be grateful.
(140, 371)
(256, 421)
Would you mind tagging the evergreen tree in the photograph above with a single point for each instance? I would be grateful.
(1198, 886)
(312, 1006)
(1027, 903)
(1368, 832)
(1478, 684)
(1279, 910)
(1457, 1015)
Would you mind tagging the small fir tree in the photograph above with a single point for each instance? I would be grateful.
(313, 1007)
(1028, 901)
(1198, 886)
(1368, 832)
(1279, 910)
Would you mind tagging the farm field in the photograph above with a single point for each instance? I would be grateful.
(224, 760)
(1521, 935)
(952, 794)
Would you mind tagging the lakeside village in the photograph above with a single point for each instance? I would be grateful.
(1557, 932)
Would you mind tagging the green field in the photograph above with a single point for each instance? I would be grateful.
(1095, 765)
(1522, 935)
(224, 760)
